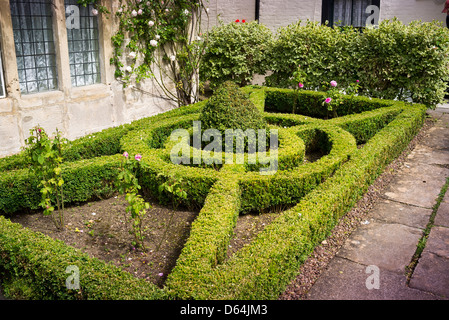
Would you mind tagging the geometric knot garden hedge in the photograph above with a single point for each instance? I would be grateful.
(367, 136)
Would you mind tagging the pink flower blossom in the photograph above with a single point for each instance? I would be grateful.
(160, 274)
(333, 83)
(95, 12)
(140, 11)
(134, 13)
(138, 157)
(300, 85)
(357, 81)
(125, 154)
(328, 100)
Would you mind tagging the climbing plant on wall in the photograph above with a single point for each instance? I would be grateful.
(161, 40)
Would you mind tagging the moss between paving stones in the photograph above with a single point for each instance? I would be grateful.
(322, 191)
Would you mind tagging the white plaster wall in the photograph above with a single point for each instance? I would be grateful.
(409, 10)
(231, 10)
(80, 111)
(280, 13)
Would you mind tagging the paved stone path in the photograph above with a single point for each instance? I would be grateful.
(372, 262)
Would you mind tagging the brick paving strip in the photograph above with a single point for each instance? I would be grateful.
(372, 262)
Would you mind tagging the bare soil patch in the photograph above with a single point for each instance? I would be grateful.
(100, 229)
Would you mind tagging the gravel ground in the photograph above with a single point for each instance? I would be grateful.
(322, 255)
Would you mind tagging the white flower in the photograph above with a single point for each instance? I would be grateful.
(134, 13)
(172, 58)
(186, 12)
(95, 12)
(153, 43)
(120, 10)
(157, 37)
(132, 55)
(151, 23)
(129, 69)
(140, 11)
(207, 9)
(198, 38)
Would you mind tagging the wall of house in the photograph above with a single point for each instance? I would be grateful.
(77, 111)
(280, 13)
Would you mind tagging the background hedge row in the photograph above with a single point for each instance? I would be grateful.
(393, 61)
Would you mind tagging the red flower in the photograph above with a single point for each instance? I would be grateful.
(237, 20)
(243, 21)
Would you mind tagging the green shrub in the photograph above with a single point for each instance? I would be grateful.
(321, 51)
(230, 108)
(394, 61)
(235, 52)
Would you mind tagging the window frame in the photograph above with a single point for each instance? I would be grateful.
(45, 56)
(95, 52)
(327, 11)
(2, 77)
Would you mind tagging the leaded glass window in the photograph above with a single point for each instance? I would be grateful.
(35, 49)
(83, 42)
(347, 12)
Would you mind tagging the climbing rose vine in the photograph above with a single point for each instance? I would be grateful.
(161, 40)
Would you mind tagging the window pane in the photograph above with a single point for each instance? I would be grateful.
(83, 44)
(351, 12)
(35, 50)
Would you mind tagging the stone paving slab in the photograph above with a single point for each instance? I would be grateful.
(388, 246)
(396, 212)
(442, 217)
(347, 280)
(418, 184)
(428, 155)
(437, 138)
(438, 242)
(431, 274)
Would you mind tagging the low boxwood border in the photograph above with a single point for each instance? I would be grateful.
(40, 263)
(260, 270)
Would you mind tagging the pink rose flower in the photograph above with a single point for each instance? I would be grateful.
(328, 100)
(333, 83)
(357, 81)
(300, 85)
(138, 157)
(125, 154)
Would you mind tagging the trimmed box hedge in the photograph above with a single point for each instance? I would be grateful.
(319, 192)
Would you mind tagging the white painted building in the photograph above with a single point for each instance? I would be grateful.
(42, 81)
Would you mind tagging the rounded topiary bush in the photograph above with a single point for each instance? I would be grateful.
(231, 108)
